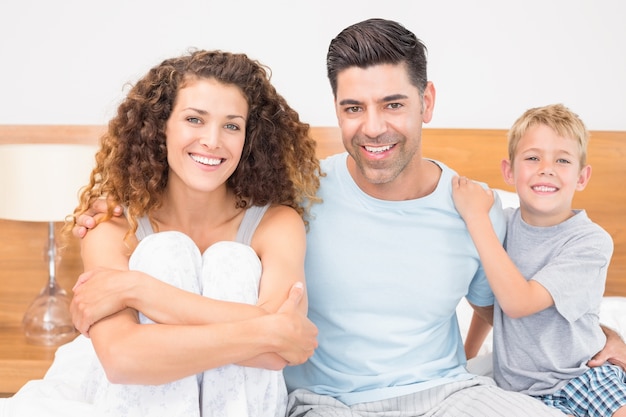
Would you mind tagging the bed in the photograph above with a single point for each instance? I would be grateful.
(475, 153)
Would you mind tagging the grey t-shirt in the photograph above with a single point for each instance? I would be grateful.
(540, 353)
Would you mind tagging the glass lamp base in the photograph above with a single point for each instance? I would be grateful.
(48, 321)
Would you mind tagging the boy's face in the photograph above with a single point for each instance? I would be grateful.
(546, 173)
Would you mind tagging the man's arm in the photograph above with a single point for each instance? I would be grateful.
(480, 326)
(87, 220)
(613, 352)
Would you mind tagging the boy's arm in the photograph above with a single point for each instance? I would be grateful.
(516, 296)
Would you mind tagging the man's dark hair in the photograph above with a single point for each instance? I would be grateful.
(374, 42)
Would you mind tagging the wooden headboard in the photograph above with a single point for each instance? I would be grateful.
(475, 153)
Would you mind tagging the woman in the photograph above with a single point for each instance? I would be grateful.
(214, 171)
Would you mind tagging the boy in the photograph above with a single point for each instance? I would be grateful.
(549, 287)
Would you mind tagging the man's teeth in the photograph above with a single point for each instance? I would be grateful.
(206, 161)
(378, 149)
(544, 189)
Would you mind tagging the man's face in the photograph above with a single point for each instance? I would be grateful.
(380, 114)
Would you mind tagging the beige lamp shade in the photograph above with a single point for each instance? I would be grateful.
(41, 182)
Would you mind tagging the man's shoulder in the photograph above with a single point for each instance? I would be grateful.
(332, 160)
(333, 166)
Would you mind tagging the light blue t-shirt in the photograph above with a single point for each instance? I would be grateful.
(384, 279)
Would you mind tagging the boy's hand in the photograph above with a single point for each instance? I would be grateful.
(470, 197)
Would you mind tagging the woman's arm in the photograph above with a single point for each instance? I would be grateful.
(280, 243)
(155, 353)
(101, 292)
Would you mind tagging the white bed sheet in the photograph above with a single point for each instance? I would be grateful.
(59, 393)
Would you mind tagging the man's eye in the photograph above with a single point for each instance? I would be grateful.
(394, 105)
(353, 109)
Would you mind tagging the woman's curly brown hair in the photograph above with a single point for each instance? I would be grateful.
(278, 164)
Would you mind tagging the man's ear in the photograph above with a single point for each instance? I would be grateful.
(583, 178)
(428, 102)
(506, 167)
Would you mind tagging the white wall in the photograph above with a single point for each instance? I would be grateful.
(66, 61)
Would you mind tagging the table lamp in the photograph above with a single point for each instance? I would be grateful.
(40, 183)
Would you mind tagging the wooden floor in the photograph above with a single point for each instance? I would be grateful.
(23, 273)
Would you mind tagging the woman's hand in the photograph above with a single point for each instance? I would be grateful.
(292, 336)
(98, 294)
(298, 334)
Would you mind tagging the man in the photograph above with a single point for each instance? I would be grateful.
(388, 256)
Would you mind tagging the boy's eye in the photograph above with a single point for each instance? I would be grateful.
(562, 161)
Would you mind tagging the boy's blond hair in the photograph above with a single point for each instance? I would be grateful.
(556, 116)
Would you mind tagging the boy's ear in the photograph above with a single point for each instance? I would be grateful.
(583, 178)
(507, 171)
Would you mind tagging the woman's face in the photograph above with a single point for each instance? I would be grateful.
(205, 134)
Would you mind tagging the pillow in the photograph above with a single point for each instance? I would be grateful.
(613, 314)
(507, 198)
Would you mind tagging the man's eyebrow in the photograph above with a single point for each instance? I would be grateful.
(349, 102)
(394, 97)
(386, 99)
